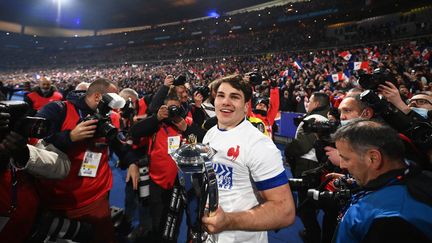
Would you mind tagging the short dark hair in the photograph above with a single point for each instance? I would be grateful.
(322, 98)
(237, 82)
(171, 97)
(100, 85)
(364, 134)
(357, 97)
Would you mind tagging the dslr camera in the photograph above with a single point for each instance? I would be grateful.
(104, 127)
(34, 127)
(204, 91)
(179, 80)
(128, 110)
(379, 76)
(310, 178)
(174, 111)
(255, 78)
(327, 198)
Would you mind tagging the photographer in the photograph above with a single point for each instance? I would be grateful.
(350, 108)
(165, 131)
(302, 157)
(411, 122)
(135, 198)
(137, 109)
(19, 200)
(208, 104)
(187, 111)
(82, 129)
(395, 203)
(178, 85)
(419, 103)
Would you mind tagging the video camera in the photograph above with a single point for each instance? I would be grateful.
(104, 127)
(34, 127)
(379, 76)
(323, 129)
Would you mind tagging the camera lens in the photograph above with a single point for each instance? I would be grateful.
(173, 111)
(106, 129)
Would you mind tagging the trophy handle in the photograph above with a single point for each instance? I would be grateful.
(212, 188)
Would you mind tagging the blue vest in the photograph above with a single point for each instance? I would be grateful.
(390, 201)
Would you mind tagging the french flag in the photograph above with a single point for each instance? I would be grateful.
(374, 56)
(359, 65)
(346, 55)
(334, 78)
(284, 73)
(297, 64)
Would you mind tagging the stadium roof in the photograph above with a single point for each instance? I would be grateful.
(100, 14)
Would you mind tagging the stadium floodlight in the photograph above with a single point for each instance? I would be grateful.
(213, 14)
(59, 4)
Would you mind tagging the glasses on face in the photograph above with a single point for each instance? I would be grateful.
(419, 102)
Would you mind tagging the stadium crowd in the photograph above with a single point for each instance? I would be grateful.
(408, 60)
(144, 102)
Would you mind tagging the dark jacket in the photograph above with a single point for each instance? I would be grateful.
(395, 207)
(301, 145)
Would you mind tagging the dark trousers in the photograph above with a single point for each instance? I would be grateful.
(159, 207)
(308, 214)
(98, 214)
(135, 209)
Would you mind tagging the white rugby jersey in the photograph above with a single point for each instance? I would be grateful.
(244, 153)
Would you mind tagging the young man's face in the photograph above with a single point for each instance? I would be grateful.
(230, 106)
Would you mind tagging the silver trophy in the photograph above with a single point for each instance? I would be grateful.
(199, 185)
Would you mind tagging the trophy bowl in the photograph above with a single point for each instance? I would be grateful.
(191, 158)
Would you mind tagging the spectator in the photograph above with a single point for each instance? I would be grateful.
(42, 95)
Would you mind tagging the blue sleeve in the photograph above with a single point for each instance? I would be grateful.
(273, 182)
(55, 113)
